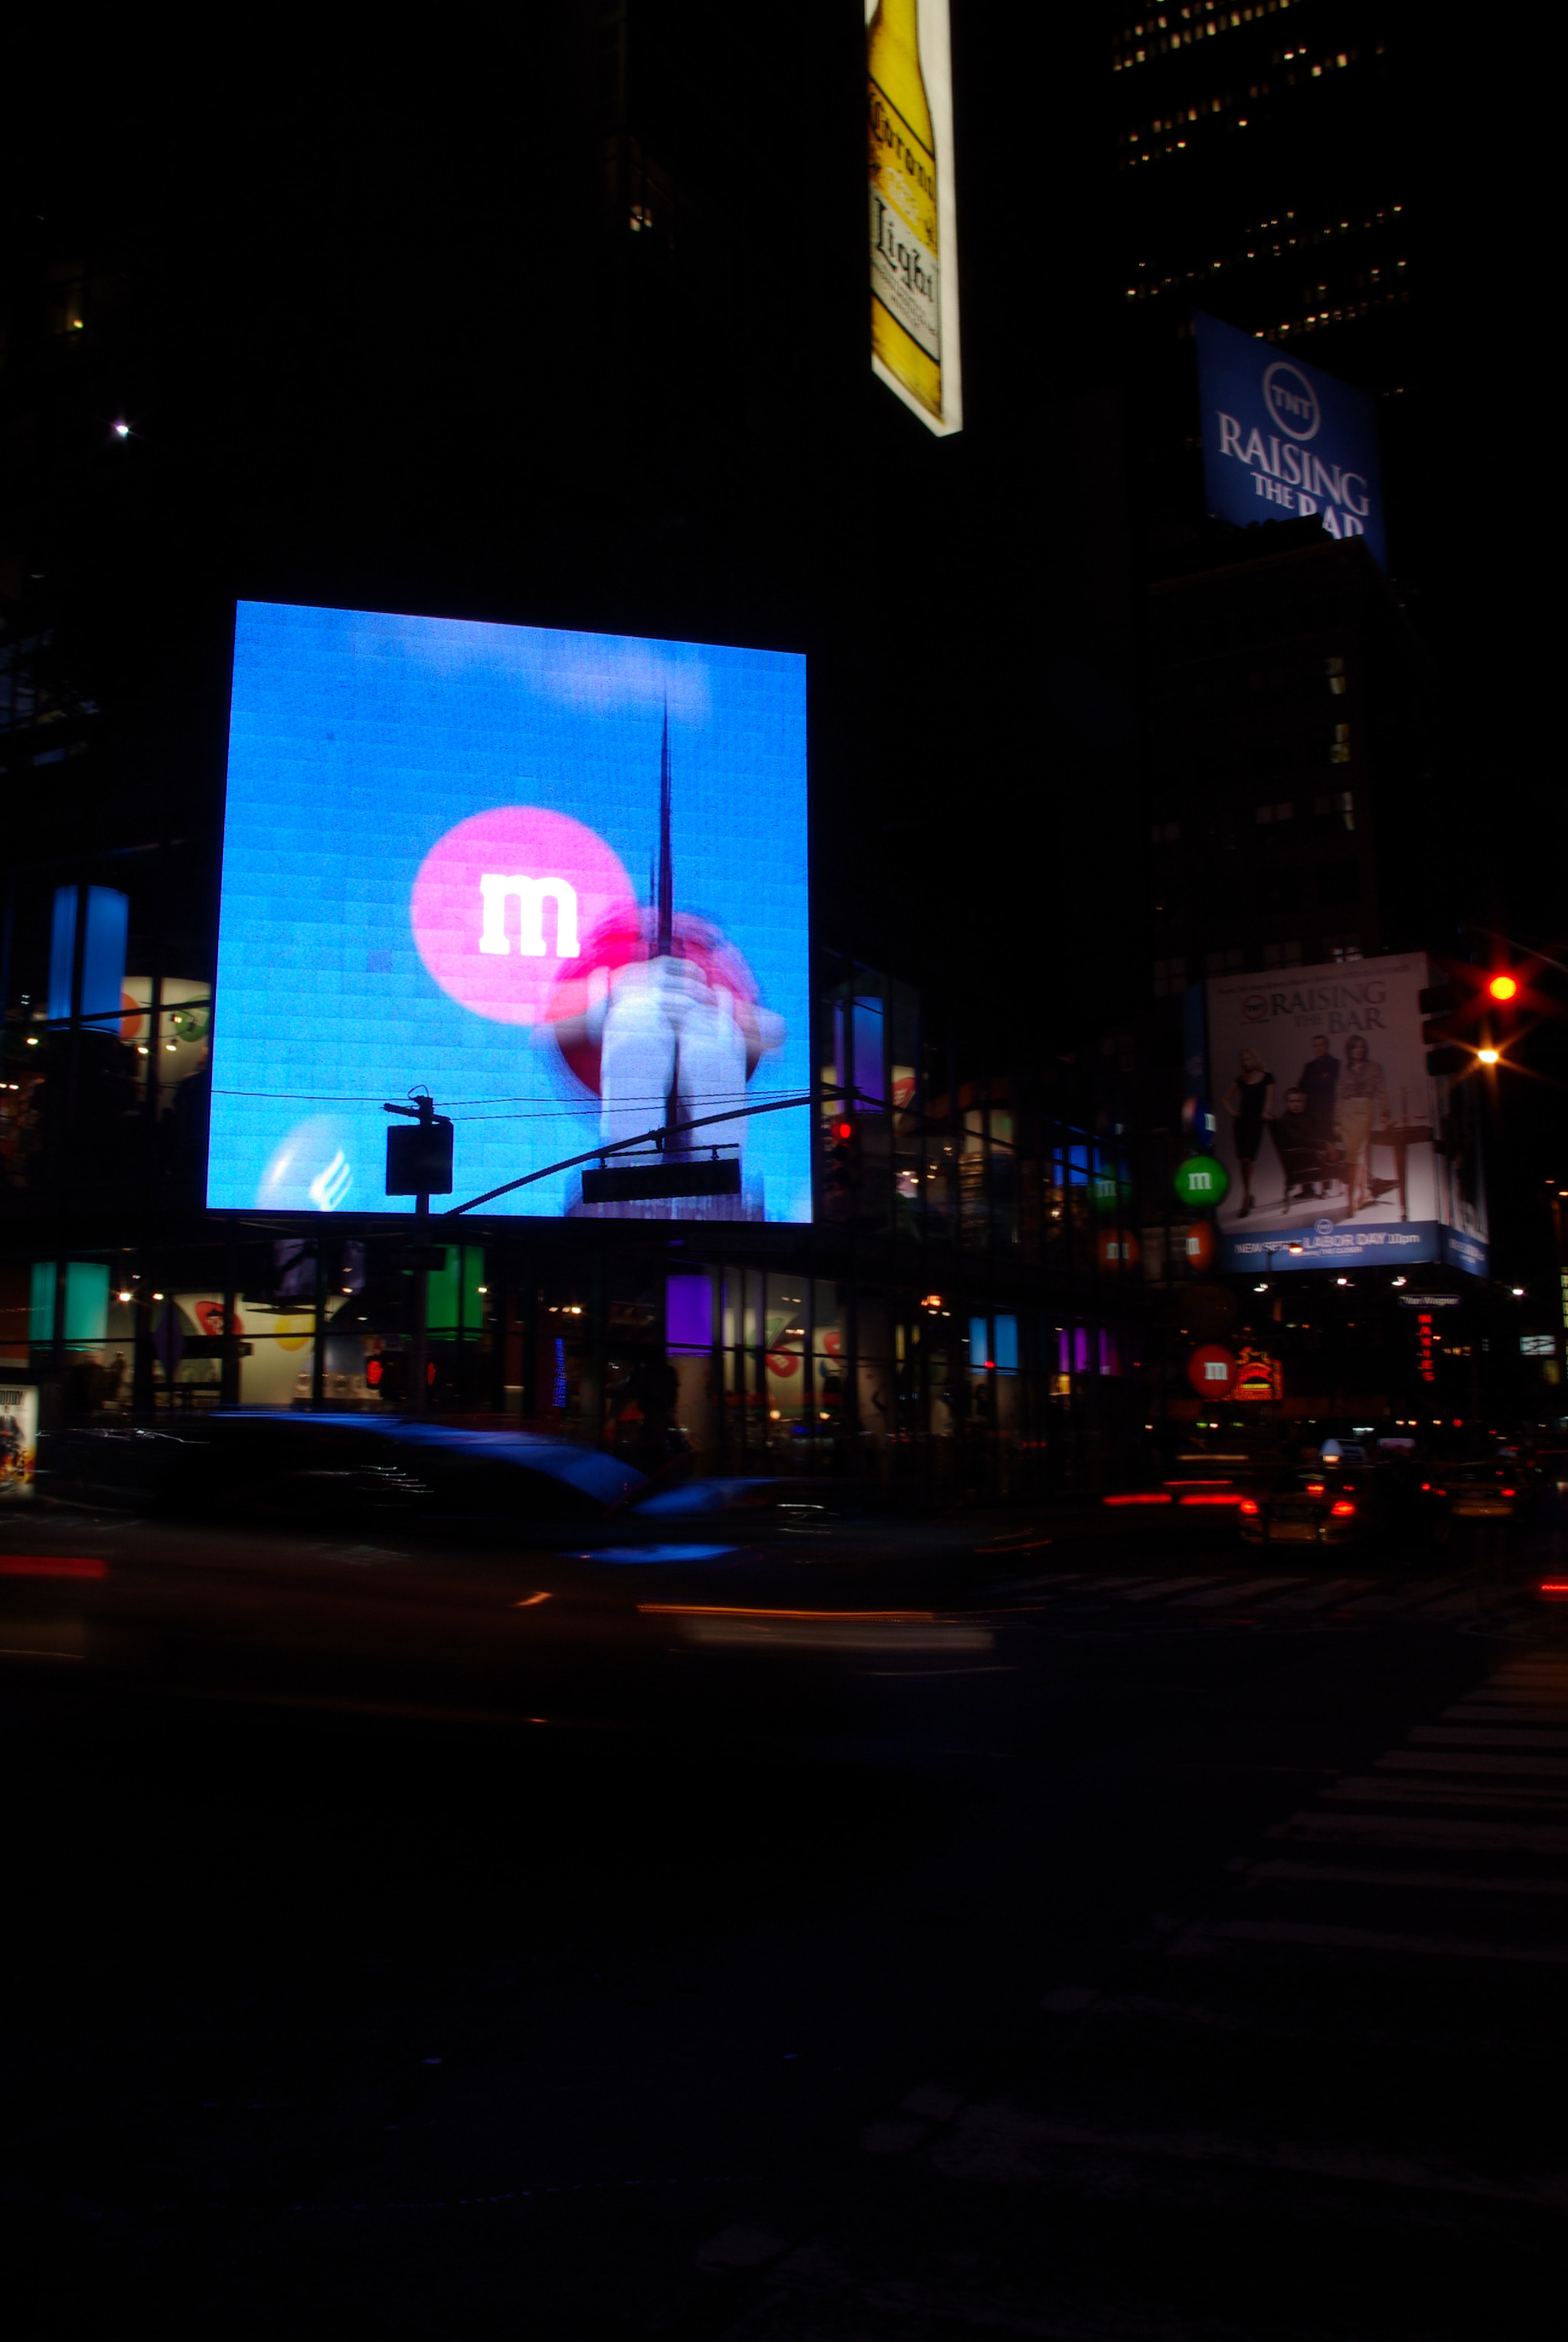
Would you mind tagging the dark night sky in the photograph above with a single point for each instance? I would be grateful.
(369, 357)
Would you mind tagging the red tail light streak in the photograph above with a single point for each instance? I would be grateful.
(52, 1565)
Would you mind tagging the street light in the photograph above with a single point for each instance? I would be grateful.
(1489, 1056)
(1504, 987)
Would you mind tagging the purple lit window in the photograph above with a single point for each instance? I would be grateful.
(688, 1313)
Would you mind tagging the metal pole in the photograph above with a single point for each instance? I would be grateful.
(144, 1390)
(318, 1347)
(528, 1363)
(499, 1280)
(419, 1376)
(229, 1368)
(419, 1396)
(74, 1045)
(150, 1102)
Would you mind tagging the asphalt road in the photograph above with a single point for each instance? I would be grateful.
(1183, 1956)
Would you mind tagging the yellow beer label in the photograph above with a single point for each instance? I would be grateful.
(904, 224)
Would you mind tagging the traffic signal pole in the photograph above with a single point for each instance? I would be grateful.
(425, 1168)
(419, 1397)
(646, 1138)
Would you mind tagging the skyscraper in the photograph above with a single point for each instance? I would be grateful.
(1265, 167)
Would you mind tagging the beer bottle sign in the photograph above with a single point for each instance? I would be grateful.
(912, 311)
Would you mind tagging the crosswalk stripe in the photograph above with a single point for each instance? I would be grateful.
(1404, 1597)
(1413, 1829)
(1367, 1790)
(1461, 1882)
(1336, 1590)
(1369, 1605)
(1520, 1712)
(1168, 1585)
(1315, 1936)
(1512, 1711)
(1479, 1785)
(1448, 1736)
(1234, 1593)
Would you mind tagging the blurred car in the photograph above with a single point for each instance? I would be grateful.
(279, 1468)
(1198, 1499)
(1551, 1465)
(1327, 1504)
(1486, 1491)
(855, 1543)
(332, 1557)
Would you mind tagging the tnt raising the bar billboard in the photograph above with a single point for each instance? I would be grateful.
(559, 880)
(1283, 440)
(1342, 1151)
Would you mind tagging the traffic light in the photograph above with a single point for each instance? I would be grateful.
(1477, 1015)
(1505, 998)
(386, 1373)
(841, 1176)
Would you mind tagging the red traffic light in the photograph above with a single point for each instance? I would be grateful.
(1504, 987)
(373, 1371)
(843, 1130)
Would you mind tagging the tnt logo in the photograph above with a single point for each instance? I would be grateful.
(1292, 402)
(504, 903)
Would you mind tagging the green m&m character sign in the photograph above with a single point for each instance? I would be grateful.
(1201, 1183)
(1111, 1187)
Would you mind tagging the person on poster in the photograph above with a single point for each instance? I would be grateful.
(1250, 1103)
(1319, 1084)
(1363, 1106)
(1302, 1158)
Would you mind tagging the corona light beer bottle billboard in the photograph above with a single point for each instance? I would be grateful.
(912, 228)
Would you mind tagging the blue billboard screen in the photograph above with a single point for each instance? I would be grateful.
(557, 879)
(1281, 440)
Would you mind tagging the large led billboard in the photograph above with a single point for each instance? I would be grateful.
(557, 879)
(1343, 1152)
(913, 214)
(1283, 440)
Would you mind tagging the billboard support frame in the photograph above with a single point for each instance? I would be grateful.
(622, 1145)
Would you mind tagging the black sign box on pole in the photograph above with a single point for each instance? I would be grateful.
(642, 1183)
(419, 1158)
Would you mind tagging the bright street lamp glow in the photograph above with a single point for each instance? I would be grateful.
(122, 430)
(1504, 987)
(1489, 1056)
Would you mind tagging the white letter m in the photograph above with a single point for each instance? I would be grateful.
(495, 889)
